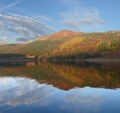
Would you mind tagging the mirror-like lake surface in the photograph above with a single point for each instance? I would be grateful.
(59, 88)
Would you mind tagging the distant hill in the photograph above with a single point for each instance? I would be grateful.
(68, 44)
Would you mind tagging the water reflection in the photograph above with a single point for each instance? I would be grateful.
(67, 76)
(25, 95)
(59, 88)
(16, 91)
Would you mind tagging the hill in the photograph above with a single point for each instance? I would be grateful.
(62, 34)
(68, 44)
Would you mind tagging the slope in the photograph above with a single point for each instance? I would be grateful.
(69, 44)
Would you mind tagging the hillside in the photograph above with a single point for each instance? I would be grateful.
(69, 44)
(62, 34)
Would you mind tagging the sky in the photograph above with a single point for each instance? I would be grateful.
(25, 20)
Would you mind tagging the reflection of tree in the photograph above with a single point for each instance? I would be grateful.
(66, 76)
(89, 76)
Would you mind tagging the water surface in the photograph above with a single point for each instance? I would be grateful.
(59, 88)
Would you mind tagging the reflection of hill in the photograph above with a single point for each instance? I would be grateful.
(66, 76)
(90, 76)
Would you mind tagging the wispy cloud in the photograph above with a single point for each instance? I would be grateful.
(43, 18)
(4, 7)
(24, 26)
(77, 17)
(21, 39)
(70, 2)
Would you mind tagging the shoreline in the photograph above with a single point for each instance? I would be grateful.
(18, 60)
(103, 60)
(94, 60)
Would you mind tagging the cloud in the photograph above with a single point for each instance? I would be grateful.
(21, 39)
(26, 27)
(78, 16)
(21, 26)
(4, 7)
(43, 18)
(69, 2)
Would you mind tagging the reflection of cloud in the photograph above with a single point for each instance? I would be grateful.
(30, 95)
(83, 100)
(19, 91)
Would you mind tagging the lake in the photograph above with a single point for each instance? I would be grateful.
(69, 87)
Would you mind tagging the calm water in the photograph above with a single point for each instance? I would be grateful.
(59, 88)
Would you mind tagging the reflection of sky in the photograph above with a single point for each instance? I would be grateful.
(28, 95)
(20, 91)
(6, 83)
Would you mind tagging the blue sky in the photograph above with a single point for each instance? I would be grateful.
(24, 20)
